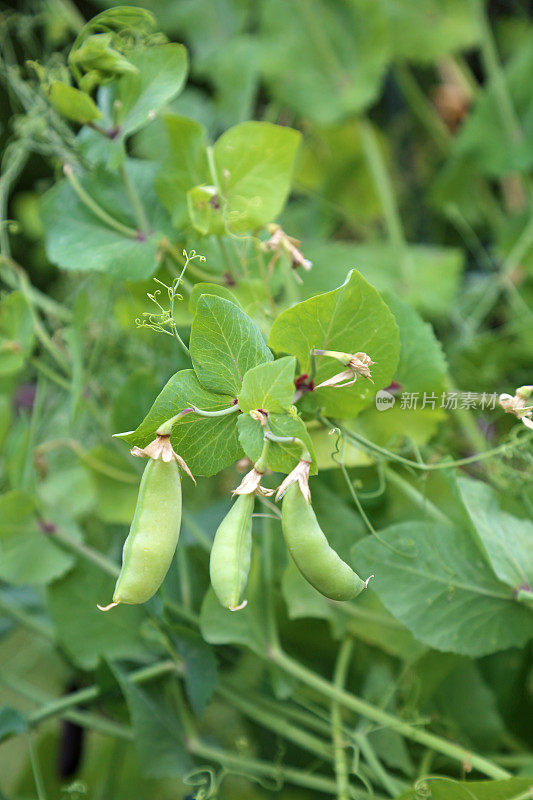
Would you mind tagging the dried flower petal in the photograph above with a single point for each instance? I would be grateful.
(300, 475)
(162, 448)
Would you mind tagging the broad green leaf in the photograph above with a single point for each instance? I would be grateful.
(302, 600)
(324, 61)
(88, 243)
(269, 387)
(431, 286)
(208, 444)
(73, 104)
(254, 162)
(201, 672)
(161, 74)
(350, 319)
(16, 332)
(466, 702)
(280, 457)
(506, 540)
(434, 579)
(422, 370)
(218, 625)
(27, 553)
(370, 621)
(86, 633)
(157, 728)
(224, 345)
(185, 164)
(427, 31)
(442, 788)
(210, 288)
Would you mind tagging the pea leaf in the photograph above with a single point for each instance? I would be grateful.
(351, 318)
(27, 554)
(208, 444)
(210, 288)
(269, 386)
(90, 634)
(201, 673)
(254, 162)
(162, 70)
(329, 63)
(504, 538)
(224, 345)
(280, 457)
(443, 788)
(424, 32)
(431, 286)
(184, 166)
(157, 728)
(437, 583)
(16, 332)
(218, 625)
(88, 243)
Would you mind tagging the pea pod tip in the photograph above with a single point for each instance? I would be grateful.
(240, 606)
(107, 608)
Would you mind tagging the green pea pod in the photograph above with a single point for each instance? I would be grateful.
(320, 565)
(154, 533)
(230, 555)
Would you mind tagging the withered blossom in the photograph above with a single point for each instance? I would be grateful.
(162, 448)
(300, 475)
(355, 363)
(516, 405)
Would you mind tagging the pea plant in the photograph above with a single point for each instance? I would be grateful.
(192, 295)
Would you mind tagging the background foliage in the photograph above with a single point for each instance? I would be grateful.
(394, 139)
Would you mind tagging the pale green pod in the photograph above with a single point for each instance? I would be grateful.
(154, 532)
(320, 565)
(231, 552)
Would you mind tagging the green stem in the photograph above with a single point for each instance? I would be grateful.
(135, 201)
(390, 456)
(91, 693)
(83, 718)
(504, 103)
(165, 428)
(243, 764)
(49, 373)
(305, 455)
(339, 746)
(199, 273)
(96, 209)
(15, 277)
(26, 620)
(385, 190)
(9, 176)
(86, 552)
(274, 722)
(421, 107)
(36, 769)
(376, 766)
(90, 460)
(367, 710)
